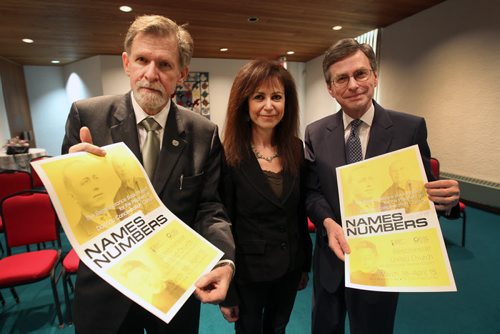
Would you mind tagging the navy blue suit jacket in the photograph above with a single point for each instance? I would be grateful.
(325, 150)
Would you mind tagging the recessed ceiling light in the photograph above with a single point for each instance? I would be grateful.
(337, 27)
(55, 61)
(126, 9)
(290, 52)
(253, 19)
(223, 49)
(28, 40)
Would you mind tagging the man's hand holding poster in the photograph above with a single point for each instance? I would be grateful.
(391, 226)
(120, 229)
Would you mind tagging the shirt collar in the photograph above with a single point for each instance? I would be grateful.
(140, 114)
(367, 117)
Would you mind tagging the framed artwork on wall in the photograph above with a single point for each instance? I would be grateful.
(194, 93)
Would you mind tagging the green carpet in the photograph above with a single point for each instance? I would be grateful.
(475, 308)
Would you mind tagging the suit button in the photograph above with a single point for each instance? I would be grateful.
(283, 245)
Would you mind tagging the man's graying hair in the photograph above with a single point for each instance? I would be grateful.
(343, 49)
(161, 26)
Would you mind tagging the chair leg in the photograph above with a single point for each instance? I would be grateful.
(70, 283)
(56, 300)
(464, 220)
(66, 280)
(1, 299)
(14, 294)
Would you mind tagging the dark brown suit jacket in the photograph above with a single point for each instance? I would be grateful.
(191, 151)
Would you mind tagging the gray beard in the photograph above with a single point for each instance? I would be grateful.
(151, 101)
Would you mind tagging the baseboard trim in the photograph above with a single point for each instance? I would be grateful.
(477, 192)
(481, 206)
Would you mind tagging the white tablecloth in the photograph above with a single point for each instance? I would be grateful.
(20, 161)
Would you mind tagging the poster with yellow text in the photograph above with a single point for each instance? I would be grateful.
(121, 230)
(391, 226)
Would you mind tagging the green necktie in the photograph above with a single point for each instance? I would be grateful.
(151, 147)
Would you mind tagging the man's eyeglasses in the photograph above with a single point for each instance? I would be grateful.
(360, 75)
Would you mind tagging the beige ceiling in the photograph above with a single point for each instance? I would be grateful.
(70, 30)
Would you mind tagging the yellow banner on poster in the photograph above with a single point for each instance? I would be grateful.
(391, 226)
(121, 230)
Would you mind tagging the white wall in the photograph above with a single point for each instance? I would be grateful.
(444, 64)
(48, 104)
(113, 77)
(221, 73)
(51, 90)
(298, 71)
(318, 102)
(104, 75)
(83, 79)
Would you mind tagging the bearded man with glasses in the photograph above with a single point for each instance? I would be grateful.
(350, 71)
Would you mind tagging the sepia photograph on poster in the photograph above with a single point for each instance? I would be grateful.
(391, 226)
(121, 230)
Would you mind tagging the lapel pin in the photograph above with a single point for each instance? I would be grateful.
(175, 142)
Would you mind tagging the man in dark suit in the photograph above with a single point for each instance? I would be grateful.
(186, 175)
(351, 77)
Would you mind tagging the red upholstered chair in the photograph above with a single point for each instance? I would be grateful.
(36, 181)
(12, 181)
(435, 168)
(29, 218)
(310, 225)
(69, 267)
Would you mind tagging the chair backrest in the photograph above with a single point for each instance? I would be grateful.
(435, 167)
(310, 225)
(36, 181)
(13, 181)
(29, 218)
(71, 262)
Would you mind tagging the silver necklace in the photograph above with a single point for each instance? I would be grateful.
(260, 156)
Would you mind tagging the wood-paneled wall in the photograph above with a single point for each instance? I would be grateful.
(16, 98)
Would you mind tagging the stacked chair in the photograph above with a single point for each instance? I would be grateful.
(36, 181)
(29, 222)
(69, 262)
(29, 219)
(12, 181)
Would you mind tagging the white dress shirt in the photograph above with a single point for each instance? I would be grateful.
(363, 129)
(140, 115)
